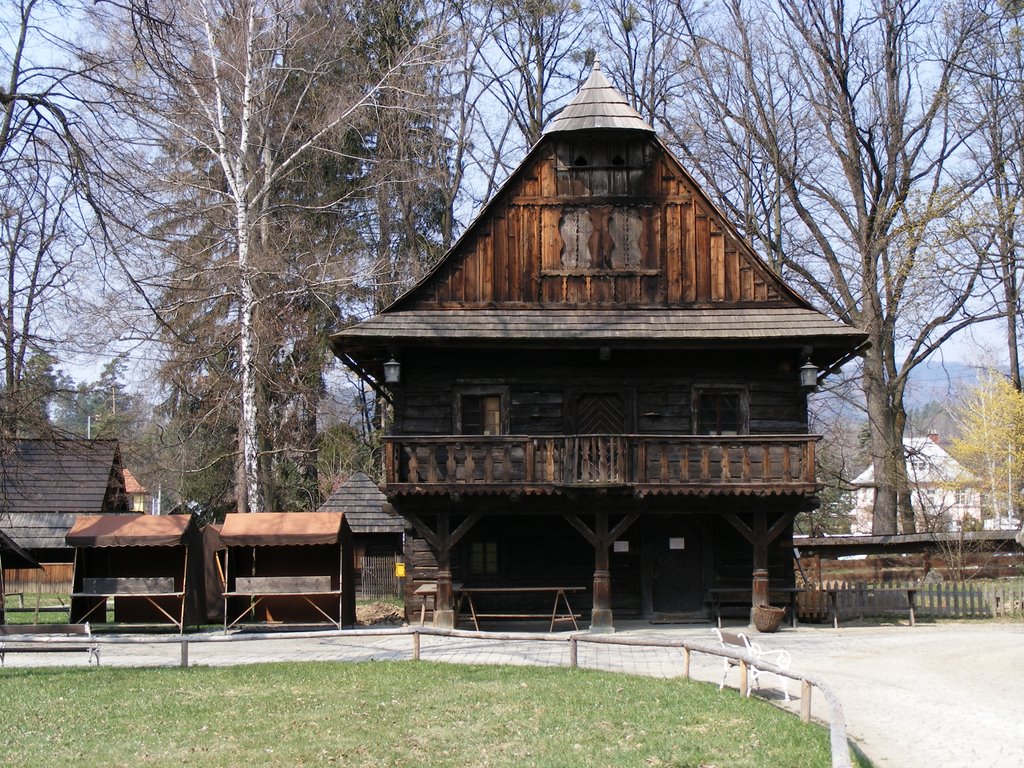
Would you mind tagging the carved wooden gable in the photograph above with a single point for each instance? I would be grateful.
(595, 219)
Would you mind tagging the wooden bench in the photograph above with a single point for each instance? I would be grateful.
(48, 638)
(738, 596)
(561, 611)
(147, 588)
(871, 592)
(257, 588)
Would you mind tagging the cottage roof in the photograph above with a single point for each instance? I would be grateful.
(598, 104)
(281, 528)
(131, 483)
(674, 326)
(363, 505)
(601, 235)
(128, 530)
(927, 463)
(13, 556)
(45, 484)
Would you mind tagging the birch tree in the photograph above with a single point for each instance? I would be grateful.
(250, 93)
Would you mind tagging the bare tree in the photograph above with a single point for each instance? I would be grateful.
(992, 220)
(838, 119)
(47, 196)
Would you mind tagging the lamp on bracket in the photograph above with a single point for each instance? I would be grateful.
(392, 371)
(808, 372)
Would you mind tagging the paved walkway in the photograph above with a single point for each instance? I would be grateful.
(932, 696)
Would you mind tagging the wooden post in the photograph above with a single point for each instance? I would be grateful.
(184, 653)
(743, 678)
(415, 645)
(805, 700)
(686, 663)
(573, 653)
(759, 588)
(601, 613)
(444, 613)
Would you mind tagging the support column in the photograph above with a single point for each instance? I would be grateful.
(601, 613)
(444, 608)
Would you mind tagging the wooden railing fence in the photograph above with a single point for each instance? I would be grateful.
(379, 581)
(949, 600)
(51, 579)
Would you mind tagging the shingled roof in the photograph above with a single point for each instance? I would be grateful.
(599, 104)
(364, 506)
(46, 484)
(673, 326)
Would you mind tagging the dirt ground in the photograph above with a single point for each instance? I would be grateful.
(378, 614)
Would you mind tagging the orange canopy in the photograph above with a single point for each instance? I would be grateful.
(128, 530)
(281, 528)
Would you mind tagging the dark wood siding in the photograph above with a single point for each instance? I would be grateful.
(542, 385)
(635, 233)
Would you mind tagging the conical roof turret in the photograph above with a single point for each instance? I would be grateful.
(599, 104)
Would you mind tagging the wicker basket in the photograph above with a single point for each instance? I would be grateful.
(768, 618)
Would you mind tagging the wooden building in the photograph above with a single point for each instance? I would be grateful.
(600, 385)
(377, 531)
(151, 567)
(45, 485)
(287, 567)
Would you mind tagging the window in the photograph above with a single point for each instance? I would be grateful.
(481, 411)
(483, 558)
(720, 412)
(481, 414)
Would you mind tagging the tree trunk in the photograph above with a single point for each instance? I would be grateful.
(247, 362)
(886, 446)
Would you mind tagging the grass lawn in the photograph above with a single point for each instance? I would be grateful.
(390, 714)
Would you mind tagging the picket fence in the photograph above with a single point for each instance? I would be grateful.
(951, 600)
(378, 580)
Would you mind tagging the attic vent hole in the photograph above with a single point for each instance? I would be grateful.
(618, 160)
(580, 160)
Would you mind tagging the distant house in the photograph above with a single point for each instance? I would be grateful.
(138, 496)
(46, 484)
(943, 492)
(376, 529)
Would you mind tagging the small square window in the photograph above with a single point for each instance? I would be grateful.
(481, 411)
(720, 412)
(483, 558)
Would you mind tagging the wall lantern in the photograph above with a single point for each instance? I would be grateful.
(809, 375)
(392, 371)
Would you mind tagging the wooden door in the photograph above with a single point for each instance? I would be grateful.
(600, 413)
(675, 551)
(598, 450)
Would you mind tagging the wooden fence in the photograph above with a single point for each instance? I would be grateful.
(379, 581)
(949, 600)
(26, 583)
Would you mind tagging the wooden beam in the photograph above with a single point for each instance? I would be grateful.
(780, 525)
(734, 520)
(463, 528)
(584, 530)
(424, 530)
(623, 524)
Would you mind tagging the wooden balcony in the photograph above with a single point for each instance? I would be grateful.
(765, 464)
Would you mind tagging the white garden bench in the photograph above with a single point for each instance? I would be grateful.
(739, 641)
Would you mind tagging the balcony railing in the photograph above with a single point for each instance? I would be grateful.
(779, 463)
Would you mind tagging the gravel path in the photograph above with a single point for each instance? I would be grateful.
(930, 696)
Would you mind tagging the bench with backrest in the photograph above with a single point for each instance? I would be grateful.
(740, 642)
(48, 638)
